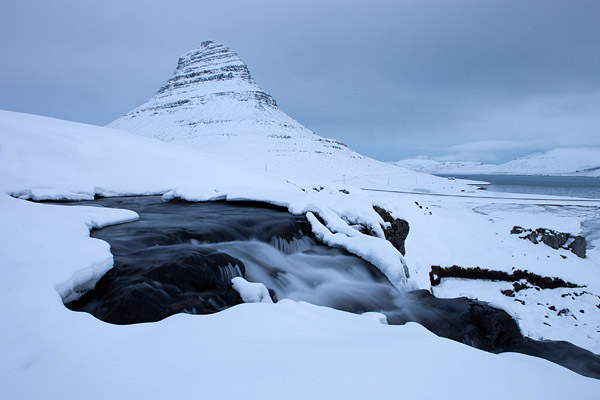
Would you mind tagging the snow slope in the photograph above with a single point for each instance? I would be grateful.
(45, 158)
(565, 161)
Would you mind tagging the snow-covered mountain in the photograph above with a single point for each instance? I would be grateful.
(213, 104)
(432, 166)
(564, 161)
(584, 161)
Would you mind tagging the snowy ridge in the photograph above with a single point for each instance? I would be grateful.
(572, 161)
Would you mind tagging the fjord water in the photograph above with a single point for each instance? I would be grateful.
(571, 186)
(181, 257)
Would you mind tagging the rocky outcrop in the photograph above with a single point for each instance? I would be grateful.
(578, 246)
(557, 240)
(396, 232)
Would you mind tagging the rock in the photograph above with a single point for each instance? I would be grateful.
(148, 288)
(516, 230)
(533, 237)
(519, 286)
(554, 239)
(578, 246)
(467, 321)
(397, 232)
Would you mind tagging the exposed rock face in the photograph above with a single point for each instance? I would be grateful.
(557, 240)
(208, 74)
(397, 232)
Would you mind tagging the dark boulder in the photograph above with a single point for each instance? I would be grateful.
(397, 232)
(578, 246)
(161, 281)
(554, 239)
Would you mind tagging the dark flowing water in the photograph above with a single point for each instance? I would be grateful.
(571, 186)
(181, 257)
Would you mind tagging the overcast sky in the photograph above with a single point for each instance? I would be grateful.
(482, 79)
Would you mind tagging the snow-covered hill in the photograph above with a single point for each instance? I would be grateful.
(213, 104)
(432, 166)
(564, 161)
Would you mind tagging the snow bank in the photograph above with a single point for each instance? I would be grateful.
(49, 159)
(378, 252)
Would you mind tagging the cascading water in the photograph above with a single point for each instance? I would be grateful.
(181, 257)
(303, 270)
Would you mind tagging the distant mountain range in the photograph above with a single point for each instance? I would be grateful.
(564, 161)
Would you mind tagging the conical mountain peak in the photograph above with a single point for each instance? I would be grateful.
(211, 62)
(212, 103)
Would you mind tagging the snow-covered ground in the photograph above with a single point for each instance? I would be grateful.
(563, 161)
(288, 349)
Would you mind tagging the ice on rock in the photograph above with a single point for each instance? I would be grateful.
(251, 292)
